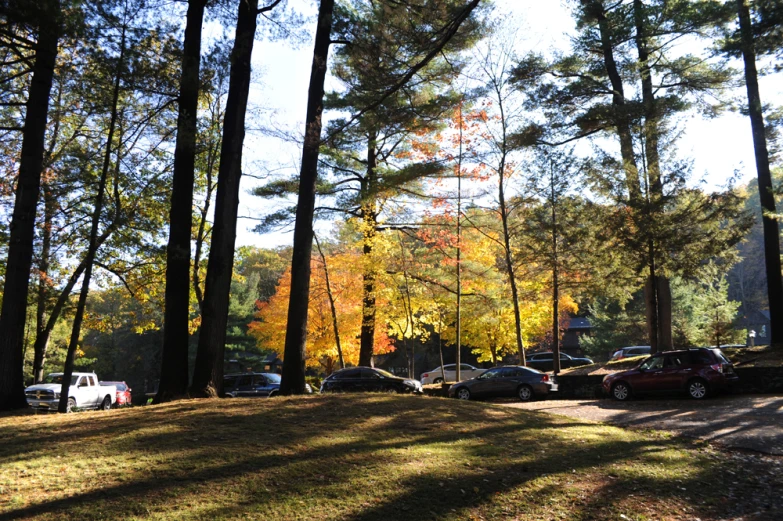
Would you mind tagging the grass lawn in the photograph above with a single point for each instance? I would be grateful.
(363, 457)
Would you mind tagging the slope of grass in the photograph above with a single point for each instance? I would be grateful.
(359, 458)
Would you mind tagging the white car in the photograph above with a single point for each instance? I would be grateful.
(449, 374)
(85, 392)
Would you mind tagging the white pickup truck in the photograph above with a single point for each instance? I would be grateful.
(85, 393)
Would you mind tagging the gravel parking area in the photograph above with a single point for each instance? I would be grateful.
(751, 422)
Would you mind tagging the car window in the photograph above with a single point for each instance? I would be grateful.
(491, 373)
(82, 381)
(91, 380)
(564, 356)
(544, 356)
(381, 372)
(121, 386)
(369, 373)
(272, 378)
(522, 371)
(450, 367)
(466, 367)
(350, 373)
(245, 382)
(675, 360)
(259, 381)
(655, 362)
(229, 382)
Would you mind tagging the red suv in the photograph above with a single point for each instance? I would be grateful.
(699, 372)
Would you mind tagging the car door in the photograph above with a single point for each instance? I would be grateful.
(350, 381)
(245, 386)
(565, 361)
(372, 381)
(507, 382)
(260, 385)
(677, 368)
(649, 373)
(483, 385)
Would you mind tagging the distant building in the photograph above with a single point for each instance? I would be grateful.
(577, 327)
(758, 321)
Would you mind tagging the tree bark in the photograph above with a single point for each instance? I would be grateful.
(93, 244)
(174, 358)
(659, 298)
(293, 381)
(22, 229)
(208, 373)
(555, 281)
(770, 225)
(370, 222)
(44, 283)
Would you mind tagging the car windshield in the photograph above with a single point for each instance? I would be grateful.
(58, 379)
(273, 378)
(387, 374)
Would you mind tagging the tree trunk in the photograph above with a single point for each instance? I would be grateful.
(555, 281)
(458, 332)
(771, 232)
(296, 329)
(660, 301)
(507, 239)
(370, 218)
(44, 283)
(174, 358)
(93, 244)
(22, 229)
(208, 373)
(621, 118)
(331, 306)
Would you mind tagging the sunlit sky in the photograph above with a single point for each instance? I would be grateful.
(719, 147)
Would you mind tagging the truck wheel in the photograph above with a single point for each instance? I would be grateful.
(71, 405)
(106, 404)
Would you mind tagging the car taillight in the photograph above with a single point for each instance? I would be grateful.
(425, 375)
(717, 367)
(545, 378)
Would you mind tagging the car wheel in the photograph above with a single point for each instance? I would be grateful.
(525, 393)
(438, 381)
(621, 391)
(697, 389)
(463, 393)
(273, 394)
(71, 405)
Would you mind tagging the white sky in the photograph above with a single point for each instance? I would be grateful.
(719, 147)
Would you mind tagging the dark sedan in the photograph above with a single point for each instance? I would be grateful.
(523, 382)
(545, 361)
(698, 372)
(251, 384)
(368, 379)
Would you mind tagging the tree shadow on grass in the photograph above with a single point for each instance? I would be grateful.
(354, 458)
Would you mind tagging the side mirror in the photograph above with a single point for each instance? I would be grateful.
(129, 389)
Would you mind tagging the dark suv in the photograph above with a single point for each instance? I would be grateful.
(698, 372)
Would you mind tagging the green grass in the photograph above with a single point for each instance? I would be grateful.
(358, 458)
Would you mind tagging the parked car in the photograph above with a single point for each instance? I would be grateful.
(546, 361)
(123, 392)
(525, 383)
(449, 373)
(242, 385)
(698, 372)
(84, 392)
(627, 352)
(368, 379)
